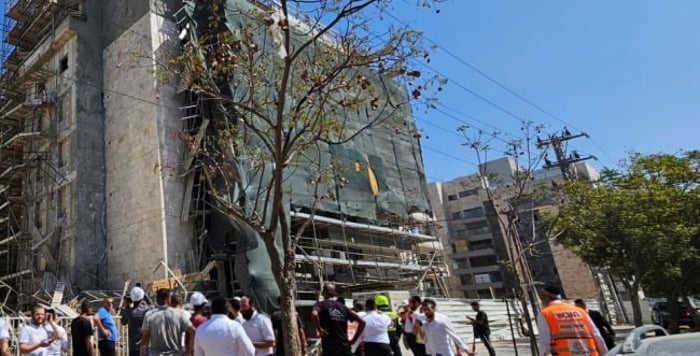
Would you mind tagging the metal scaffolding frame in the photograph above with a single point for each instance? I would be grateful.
(29, 173)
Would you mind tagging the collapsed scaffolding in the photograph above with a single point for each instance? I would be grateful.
(33, 206)
(368, 244)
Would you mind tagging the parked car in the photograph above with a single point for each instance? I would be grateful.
(661, 316)
(653, 340)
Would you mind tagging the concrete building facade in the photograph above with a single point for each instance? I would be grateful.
(477, 246)
(471, 238)
(94, 186)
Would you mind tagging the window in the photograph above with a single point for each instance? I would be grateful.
(460, 263)
(474, 212)
(476, 225)
(457, 215)
(454, 248)
(469, 192)
(484, 293)
(482, 278)
(491, 277)
(481, 245)
(483, 261)
(451, 197)
(63, 64)
(466, 279)
(461, 233)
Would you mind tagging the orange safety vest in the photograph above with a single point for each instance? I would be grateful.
(570, 330)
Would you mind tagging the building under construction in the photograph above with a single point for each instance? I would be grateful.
(97, 186)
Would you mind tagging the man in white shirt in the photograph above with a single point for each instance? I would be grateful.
(4, 338)
(376, 334)
(33, 338)
(258, 327)
(220, 335)
(439, 333)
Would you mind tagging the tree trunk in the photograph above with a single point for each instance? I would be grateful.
(292, 346)
(633, 289)
(283, 269)
(528, 321)
(674, 309)
(284, 273)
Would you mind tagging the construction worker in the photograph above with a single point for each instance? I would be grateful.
(395, 330)
(566, 330)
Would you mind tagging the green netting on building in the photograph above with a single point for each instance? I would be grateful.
(391, 149)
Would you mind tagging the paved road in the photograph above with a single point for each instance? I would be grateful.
(505, 349)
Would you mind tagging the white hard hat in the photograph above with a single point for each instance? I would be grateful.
(137, 294)
(197, 299)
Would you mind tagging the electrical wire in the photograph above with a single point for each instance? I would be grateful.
(500, 84)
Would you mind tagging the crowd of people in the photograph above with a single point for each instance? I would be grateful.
(373, 329)
(235, 327)
(564, 329)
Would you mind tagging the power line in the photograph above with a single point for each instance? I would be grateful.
(500, 85)
(448, 155)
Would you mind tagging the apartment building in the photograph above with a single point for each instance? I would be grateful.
(97, 188)
(478, 248)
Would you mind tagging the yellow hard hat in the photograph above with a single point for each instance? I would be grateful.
(381, 300)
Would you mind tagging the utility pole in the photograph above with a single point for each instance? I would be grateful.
(563, 161)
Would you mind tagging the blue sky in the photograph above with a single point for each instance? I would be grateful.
(626, 72)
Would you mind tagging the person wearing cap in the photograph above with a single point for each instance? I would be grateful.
(133, 317)
(199, 303)
(395, 329)
(221, 336)
(234, 311)
(566, 330)
(258, 327)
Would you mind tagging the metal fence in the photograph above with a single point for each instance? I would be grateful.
(15, 324)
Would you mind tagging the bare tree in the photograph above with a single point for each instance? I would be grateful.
(505, 193)
(287, 78)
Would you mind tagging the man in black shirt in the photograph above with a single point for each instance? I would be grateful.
(606, 331)
(481, 328)
(81, 332)
(330, 320)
